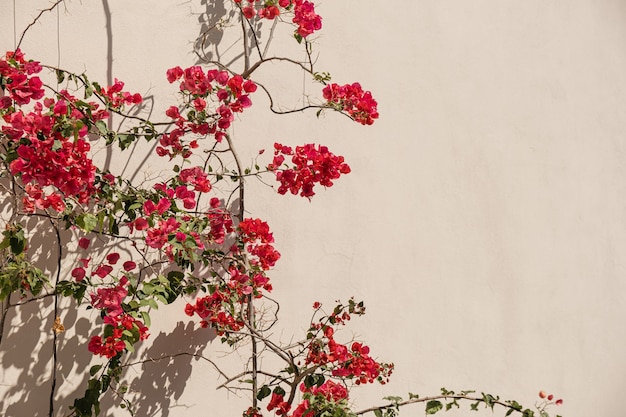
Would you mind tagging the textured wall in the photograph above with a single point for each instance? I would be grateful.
(484, 223)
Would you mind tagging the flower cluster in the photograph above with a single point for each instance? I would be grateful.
(255, 233)
(304, 13)
(115, 97)
(47, 146)
(345, 362)
(48, 155)
(221, 309)
(305, 17)
(351, 98)
(220, 221)
(217, 310)
(110, 299)
(351, 363)
(316, 399)
(120, 327)
(16, 77)
(277, 401)
(119, 330)
(196, 86)
(311, 165)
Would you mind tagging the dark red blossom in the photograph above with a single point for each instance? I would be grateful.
(351, 98)
(305, 17)
(312, 165)
(256, 234)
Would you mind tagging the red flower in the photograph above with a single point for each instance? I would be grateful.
(351, 98)
(83, 242)
(311, 165)
(103, 270)
(129, 265)
(112, 258)
(78, 273)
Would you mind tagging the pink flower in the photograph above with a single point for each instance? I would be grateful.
(149, 207)
(83, 242)
(112, 258)
(174, 74)
(103, 270)
(140, 223)
(78, 274)
(163, 205)
(249, 12)
(129, 265)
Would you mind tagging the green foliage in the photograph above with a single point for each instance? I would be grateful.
(433, 406)
(17, 273)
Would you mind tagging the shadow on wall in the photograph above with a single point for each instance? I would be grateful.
(157, 378)
(213, 21)
(206, 45)
(164, 369)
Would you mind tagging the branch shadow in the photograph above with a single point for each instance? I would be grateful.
(159, 380)
(165, 367)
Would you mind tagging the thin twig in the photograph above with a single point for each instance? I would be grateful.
(36, 19)
(434, 398)
(5, 310)
(56, 314)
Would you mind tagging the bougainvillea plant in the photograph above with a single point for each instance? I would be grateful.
(181, 240)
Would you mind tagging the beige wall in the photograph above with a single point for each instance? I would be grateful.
(484, 223)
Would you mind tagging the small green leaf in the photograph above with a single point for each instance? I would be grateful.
(393, 399)
(60, 76)
(102, 127)
(17, 245)
(87, 222)
(129, 346)
(263, 392)
(433, 406)
(94, 369)
(146, 318)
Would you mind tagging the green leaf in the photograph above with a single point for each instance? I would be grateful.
(17, 245)
(146, 318)
(87, 222)
(393, 399)
(94, 369)
(378, 413)
(263, 392)
(433, 406)
(56, 145)
(102, 127)
(489, 400)
(147, 288)
(60, 76)
(129, 346)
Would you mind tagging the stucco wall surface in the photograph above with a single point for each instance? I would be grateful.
(483, 223)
